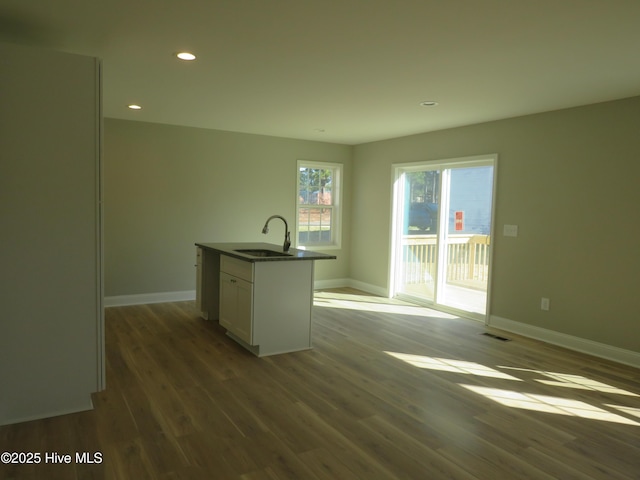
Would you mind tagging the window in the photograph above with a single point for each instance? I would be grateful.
(318, 205)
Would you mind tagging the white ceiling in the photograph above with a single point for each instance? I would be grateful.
(355, 69)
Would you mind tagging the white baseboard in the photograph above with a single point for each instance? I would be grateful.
(143, 298)
(334, 283)
(348, 282)
(590, 347)
(81, 406)
(369, 288)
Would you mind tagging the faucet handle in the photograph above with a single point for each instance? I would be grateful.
(287, 242)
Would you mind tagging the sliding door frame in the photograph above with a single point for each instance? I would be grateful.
(397, 205)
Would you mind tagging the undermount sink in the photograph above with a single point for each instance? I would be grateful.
(260, 252)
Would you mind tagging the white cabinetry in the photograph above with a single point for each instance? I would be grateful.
(266, 306)
(236, 298)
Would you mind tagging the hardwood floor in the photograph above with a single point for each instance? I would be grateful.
(388, 391)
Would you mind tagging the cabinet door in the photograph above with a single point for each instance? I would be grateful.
(228, 300)
(236, 298)
(244, 319)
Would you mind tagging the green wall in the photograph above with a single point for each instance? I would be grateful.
(51, 340)
(570, 180)
(167, 187)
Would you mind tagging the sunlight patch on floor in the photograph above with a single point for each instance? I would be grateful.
(372, 303)
(548, 404)
(575, 381)
(630, 410)
(448, 365)
(531, 401)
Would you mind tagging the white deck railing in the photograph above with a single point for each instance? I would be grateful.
(467, 259)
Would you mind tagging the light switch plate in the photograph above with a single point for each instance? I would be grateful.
(510, 231)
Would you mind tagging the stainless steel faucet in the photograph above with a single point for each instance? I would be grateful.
(287, 234)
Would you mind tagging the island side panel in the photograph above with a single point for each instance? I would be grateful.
(283, 299)
(210, 287)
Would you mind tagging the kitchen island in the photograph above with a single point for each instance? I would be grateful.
(260, 294)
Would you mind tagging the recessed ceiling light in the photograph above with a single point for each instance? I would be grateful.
(186, 56)
(319, 130)
(134, 107)
(428, 103)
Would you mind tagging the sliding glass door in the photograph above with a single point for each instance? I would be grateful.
(442, 233)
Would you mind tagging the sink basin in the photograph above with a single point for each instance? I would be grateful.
(260, 252)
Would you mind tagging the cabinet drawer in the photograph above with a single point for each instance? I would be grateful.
(237, 268)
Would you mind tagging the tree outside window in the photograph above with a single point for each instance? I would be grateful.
(318, 204)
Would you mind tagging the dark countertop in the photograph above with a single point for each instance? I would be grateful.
(294, 253)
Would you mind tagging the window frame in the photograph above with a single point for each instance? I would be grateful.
(336, 205)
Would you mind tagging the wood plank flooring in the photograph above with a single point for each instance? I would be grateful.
(389, 391)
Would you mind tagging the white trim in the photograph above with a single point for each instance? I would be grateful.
(398, 170)
(626, 357)
(101, 383)
(369, 288)
(456, 162)
(348, 282)
(144, 298)
(336, 205)
(82, 406)
(590, 347)
(162, 297)
(335, 283)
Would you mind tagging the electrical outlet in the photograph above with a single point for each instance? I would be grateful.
(510, 231)
(544, 304)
